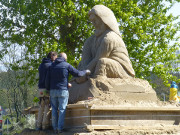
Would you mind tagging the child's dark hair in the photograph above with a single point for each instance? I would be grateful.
(52, 53)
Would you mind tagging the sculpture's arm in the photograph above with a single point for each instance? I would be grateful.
(103, 51)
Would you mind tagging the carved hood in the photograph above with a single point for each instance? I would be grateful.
(107, 17)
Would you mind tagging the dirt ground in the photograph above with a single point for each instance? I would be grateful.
(154, 130)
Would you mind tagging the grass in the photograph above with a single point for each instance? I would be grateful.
(17, 127)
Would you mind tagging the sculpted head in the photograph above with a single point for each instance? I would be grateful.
(96, 20)
(101, 14)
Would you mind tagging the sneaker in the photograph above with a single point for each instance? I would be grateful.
(64, 130)
(38, 129)
(55, 131)
(59, 131)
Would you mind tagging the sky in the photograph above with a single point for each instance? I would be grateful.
(175, 10)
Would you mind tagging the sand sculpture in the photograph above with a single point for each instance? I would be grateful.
(105, 55)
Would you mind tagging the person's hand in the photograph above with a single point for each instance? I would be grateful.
(69, 85)
(88, 72)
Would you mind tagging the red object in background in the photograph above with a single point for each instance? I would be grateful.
(41, 93)
(0, 121)
(89, 98)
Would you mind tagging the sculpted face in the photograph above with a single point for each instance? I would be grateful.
(96, 21)
(99, 25)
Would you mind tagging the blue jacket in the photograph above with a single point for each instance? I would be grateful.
(43, 68)
(58, 73)
(173, 85)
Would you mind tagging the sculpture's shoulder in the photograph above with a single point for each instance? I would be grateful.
(111, 36)
(113, 39)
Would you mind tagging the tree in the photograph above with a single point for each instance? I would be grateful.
(13, 86)
(43, 25)
(5, 99)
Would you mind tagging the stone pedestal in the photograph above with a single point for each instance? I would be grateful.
(116, 117)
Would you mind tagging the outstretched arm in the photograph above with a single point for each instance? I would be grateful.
(75, 72)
